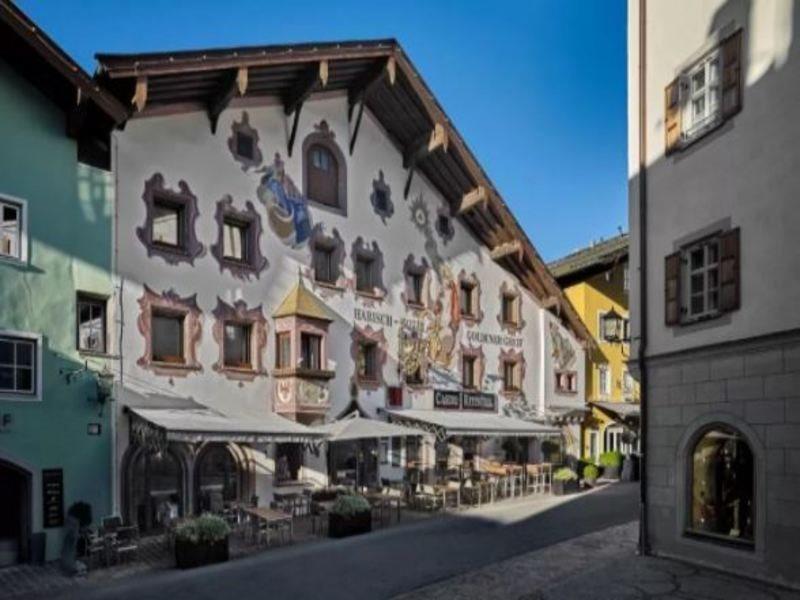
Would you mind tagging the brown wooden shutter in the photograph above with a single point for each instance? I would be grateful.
(729, 278)
(672, 116)
(672, 289)
(732, 75)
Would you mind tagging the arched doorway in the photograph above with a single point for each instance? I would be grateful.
(15, 514)
(155, 489)
(218, 478)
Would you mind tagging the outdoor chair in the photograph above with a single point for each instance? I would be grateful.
(127, 543)
(451, 495)
(534, 482)
(111, 524)
(472, 492)
(427, 498)
(95, 550)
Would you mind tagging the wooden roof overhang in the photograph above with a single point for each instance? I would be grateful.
(90, 112)
(377, 76)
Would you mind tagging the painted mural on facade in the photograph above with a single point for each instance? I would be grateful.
(287, 209)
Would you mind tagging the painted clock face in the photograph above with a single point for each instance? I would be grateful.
(419, 213)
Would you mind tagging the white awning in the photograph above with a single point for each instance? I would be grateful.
(620, 410)
(355, 427)
(207, 425)
(450, 423)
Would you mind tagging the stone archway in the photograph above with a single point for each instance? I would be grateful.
(221, 476)
(15, 513)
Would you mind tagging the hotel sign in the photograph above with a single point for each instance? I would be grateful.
(458, 400)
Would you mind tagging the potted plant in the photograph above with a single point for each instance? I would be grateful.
(590, 474)
(350, 515)
(201, 541)
(611, 463)
(565, 481)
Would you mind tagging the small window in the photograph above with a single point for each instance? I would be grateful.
(325, 270)
(466, 299)
(702, 84)
(468, 372)
(310, 348)
(235, 236)
(168, 223)
(702, 279)
(17, 365)
(604, 380)
(395, 396)
(627, 384)
(722, 487)
(91, 315)
(245, 145)
(283, 353)
(509, 309)
(10, 230)
(365, 279)
(566, 381)
(443, 225)
(381, 200)
(415, 377)
(167, 338)
(415, 282)
(323, 175)
(367, 361)
(511, 381)
(236, 346)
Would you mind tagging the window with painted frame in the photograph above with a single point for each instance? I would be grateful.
(467, 299)
(511, 376)
(169, 223)
(365, 274)
(236, 240)
(311, 351)
(283, 350)
(167, 337)
(468, 372)
(325, 270)
(416, 279)
(367, 361)
(90, 326)
(236, 347)
(604, 380)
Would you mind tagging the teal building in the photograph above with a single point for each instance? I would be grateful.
(56, 291)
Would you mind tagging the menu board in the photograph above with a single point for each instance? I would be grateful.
(53, 497)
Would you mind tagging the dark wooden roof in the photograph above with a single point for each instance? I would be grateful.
(91, 112)
(590, 261)
(403, 104)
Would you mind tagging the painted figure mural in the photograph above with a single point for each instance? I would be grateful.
(287, 210)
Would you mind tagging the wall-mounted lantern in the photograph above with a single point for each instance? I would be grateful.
(612, 327)
(103, 380)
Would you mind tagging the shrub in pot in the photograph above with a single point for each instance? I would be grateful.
(565, 481)
(201, 541)
(611, 463)
(350, 515)
(590, 474)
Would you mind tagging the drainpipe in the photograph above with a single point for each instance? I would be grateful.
(643, 538)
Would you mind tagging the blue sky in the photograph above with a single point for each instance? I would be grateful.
(536, 88)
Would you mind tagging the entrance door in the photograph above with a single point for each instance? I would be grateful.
(14, 514)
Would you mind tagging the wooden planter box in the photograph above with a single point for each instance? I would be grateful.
(340, 526)
(562, 488)
(189, 555)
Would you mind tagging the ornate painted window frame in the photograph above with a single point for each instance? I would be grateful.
(511, 291)
(471, 279)
(324, 136)
(376, 337)
(240, 314)
(476, 352)
(410, 266)
(557, 378)
(170, 302)
(507, 355)
(361, 248)
(335, 243)
(243, 127)
(379, 185)
(191, 249)
(256, 262)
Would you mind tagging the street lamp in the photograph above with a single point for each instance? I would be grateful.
(611, 327)
(104, 381)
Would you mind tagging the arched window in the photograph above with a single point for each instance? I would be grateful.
(323, 175)
(156, 490)
(722, 486)
(217, 479)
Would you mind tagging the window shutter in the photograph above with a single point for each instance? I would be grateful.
(732, 75)
(672, 116)
(729, 279)
(672, 289)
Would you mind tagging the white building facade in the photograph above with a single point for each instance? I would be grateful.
(714, 125)
(288, 266)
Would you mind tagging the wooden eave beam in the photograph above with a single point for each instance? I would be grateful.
(418, 150)
(474, 198)
(313, 77)
(359, 92)
(139, 100)
(508, 249)
(233, 83)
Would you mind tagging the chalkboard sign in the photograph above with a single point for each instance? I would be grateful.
(446, 399)
(53, 497)
(478, 401)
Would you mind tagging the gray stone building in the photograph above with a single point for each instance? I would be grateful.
(714, 125)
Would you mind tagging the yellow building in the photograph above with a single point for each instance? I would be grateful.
(595, 280)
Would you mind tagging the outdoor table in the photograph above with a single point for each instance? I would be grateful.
(386, 500)
(271, 517)
(294, 498)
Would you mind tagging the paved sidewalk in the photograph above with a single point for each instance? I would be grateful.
(601, 565)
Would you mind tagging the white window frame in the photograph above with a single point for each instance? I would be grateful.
(22, 206)
(627, 384)
(712, 114)
(36, 338)
(604, 380)
(687, 272)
